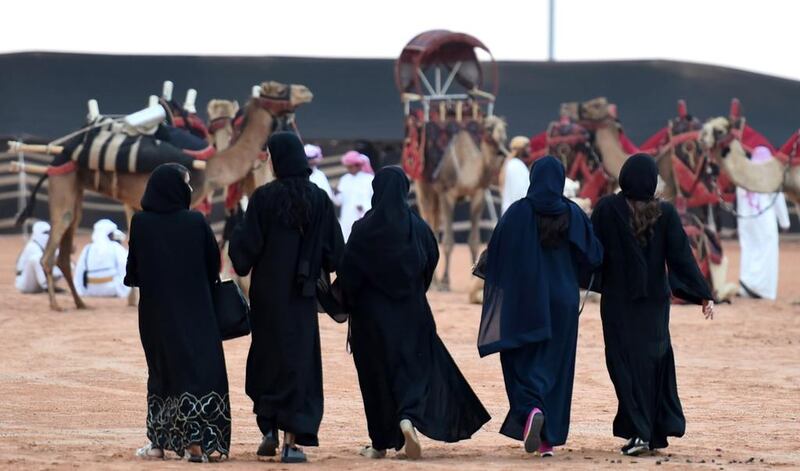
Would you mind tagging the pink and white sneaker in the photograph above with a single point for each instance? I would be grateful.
(531, 436)
(545, 449)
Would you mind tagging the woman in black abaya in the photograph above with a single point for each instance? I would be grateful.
(174, 260)
(408, 379)
(647, 255)
(539, 250)
(289, 235)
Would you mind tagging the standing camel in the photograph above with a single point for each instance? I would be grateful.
(722, 137)
(263, 114)
(222, 133)
(589, 142)
(465, 172)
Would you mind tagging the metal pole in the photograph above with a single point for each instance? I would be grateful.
(551, 31)
(22, 188)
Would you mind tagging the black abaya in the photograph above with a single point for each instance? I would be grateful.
(284, 365)
(635, 317)
(404, 369)
(174, 260)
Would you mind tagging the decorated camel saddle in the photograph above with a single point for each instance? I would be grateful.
(139, 144)
(427, 140)
(571, 143)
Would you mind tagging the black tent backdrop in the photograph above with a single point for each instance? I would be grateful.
(44, 95)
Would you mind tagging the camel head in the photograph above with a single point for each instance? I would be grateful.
(715, 132)
(294, 94)
(218, 109)
(494, 146)
(718, 138)
(596, 110)
(495, 129)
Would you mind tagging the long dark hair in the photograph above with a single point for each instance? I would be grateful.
(644, 215)
(552, 229)
(293, 202)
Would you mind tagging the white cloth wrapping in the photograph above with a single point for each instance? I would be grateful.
(30, 274)
(355, 198)
(102, 258)
(758, 239)
(516, 179)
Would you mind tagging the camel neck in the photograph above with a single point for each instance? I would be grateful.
(221, 138)
(235, 162)
(608, 143)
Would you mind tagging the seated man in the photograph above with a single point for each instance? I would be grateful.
(30, 274)
(101, 265)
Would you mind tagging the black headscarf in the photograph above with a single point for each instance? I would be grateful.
(288, 156)
(166, 190)
(383, 245)
(547, 195)
(516, 307)
(638, 178)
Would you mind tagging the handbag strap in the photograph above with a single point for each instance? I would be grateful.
(586, 294)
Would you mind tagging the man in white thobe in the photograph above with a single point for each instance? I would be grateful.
(318, 177)
(514, 176)
(100, 270)
(354, 191)
(760, 214)
(30, 274)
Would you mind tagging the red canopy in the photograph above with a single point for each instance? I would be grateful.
(440, 47)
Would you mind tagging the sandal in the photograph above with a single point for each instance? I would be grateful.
(193, 458)
(372, 453)
(149, 452)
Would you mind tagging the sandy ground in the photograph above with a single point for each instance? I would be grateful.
(72, 388)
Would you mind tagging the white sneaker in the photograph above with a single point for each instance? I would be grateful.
(372, 453)
(413, 447)
(148, 452)
(635, 447)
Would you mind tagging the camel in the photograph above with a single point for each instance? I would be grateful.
(599, 117)
(465, 172)
(221, 114)
(263, 114)
(720, 136)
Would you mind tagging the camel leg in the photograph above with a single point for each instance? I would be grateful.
(477, 203)
(447, 206)
(65, 255)
(133, 296)
(62, 196)
(57, 229)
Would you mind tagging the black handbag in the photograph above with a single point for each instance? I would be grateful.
(479, 269)
(330, 298)
(232, 310)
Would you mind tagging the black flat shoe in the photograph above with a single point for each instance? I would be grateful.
(292, 454)
(635, 447)
(269, 444)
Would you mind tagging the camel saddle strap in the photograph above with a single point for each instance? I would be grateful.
(218, 123)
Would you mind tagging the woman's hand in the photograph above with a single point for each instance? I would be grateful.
(708, 309)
